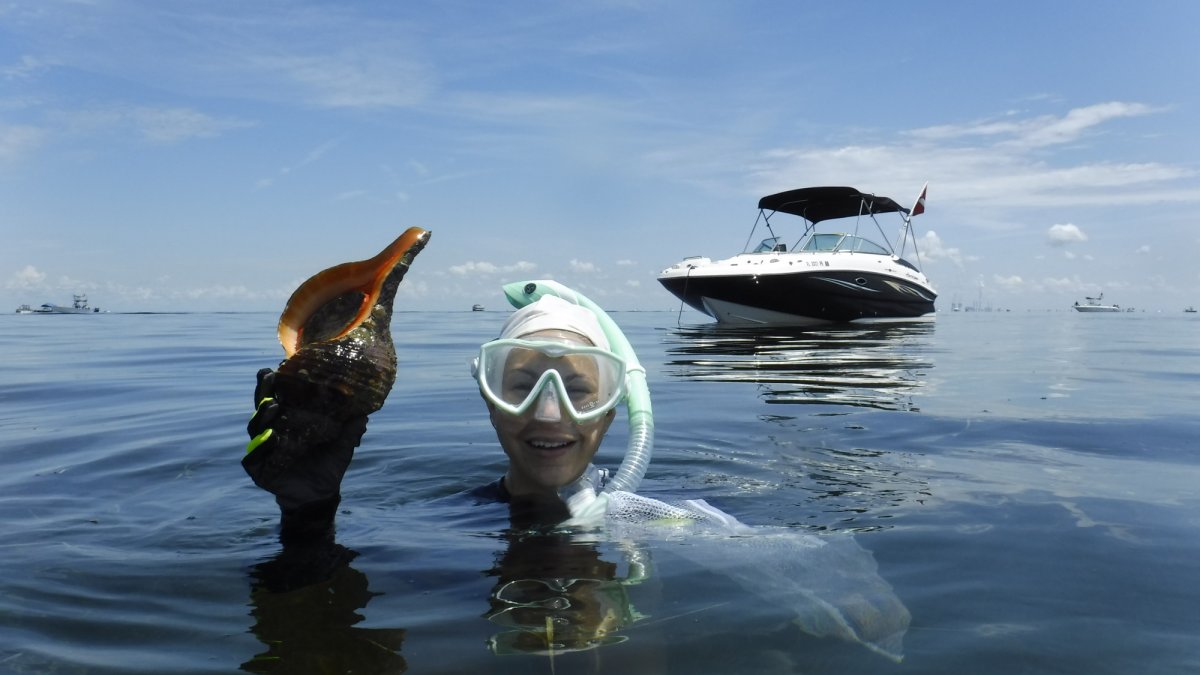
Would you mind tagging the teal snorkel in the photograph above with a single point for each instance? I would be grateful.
(637, 398)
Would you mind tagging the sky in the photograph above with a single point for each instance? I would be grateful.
(163, 155)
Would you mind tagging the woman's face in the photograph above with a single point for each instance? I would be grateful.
(546, 449)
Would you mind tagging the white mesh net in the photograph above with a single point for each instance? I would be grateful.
(829, 581)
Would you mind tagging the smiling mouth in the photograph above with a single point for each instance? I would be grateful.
(549, 446)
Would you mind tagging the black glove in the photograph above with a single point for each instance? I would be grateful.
(299, 455)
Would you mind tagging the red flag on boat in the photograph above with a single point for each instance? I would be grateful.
(919, 207)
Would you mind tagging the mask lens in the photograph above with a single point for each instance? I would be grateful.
(512, 373)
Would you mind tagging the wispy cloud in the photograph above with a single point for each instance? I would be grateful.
(1039, 131)
(347, 79)
(157, 125)
(313, 156)
(18, 141)
(989, 164)
(318, 56)
(25, 67)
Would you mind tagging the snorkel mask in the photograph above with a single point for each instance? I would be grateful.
(550, 375)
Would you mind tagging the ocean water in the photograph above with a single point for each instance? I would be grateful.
(1017, 492)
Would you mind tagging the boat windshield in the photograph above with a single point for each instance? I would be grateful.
(771, 245)
(843, 242)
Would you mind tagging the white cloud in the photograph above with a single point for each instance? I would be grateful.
(481, 267)
(1063, 234)
(581, 266)
(473, 267)
(931, 248)
(28, 277)
(1011, 283)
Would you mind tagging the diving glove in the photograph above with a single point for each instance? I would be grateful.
(298, 455)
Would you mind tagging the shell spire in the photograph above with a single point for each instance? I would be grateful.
(336, 333)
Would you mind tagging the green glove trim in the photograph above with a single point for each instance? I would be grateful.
(258, 440)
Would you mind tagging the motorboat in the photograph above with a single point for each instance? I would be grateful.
(25, 309)
(476, 308)
(845, 275)
(1095, 304)
(79, 305)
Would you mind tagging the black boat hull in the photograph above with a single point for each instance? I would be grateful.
(825, 296)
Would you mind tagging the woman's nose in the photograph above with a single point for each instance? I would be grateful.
(547, 408)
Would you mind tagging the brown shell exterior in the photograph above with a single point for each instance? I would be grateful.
(336, 333)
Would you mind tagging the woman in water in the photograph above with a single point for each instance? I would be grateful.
(551, 384)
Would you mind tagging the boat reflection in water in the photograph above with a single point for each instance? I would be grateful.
(879, 366)
(846, 476)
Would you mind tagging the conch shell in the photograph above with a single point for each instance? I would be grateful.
(336, 333)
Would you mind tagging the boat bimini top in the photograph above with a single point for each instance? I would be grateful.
(816, 204)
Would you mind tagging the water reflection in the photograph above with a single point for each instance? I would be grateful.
(555, 595)
(879, 366)
(306, 603)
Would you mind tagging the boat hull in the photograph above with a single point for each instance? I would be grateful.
(1097, 308)
(59, 309)
(802, 298)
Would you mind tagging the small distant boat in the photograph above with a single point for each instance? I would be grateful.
(477, 308)
(1190, 310)
(1095, 304)
(25, 309)
(79, 305)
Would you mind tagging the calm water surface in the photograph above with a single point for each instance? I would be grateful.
(1027, 484)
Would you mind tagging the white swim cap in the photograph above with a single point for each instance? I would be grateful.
(553, 313)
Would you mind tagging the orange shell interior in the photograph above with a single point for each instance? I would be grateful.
(364, 275)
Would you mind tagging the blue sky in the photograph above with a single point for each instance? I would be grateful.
(161, 154)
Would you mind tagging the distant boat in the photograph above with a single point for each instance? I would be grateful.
(1095, 304)
(25, 309)
(79, 305)
(1190, 310)
(476, 308)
